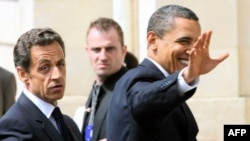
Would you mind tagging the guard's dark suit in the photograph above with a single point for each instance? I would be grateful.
(105, 95)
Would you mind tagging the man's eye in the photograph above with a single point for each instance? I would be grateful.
(61, 64)
(96, 49)
(185, 42)
(44, 68)
(110, 49)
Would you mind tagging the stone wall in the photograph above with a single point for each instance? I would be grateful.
(221, 97)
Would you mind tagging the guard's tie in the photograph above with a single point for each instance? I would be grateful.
(90, 127)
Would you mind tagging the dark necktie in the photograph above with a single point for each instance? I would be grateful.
(90, 126)
(61, 124)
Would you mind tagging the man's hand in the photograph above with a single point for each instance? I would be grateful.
(105, 139)
(199, 58)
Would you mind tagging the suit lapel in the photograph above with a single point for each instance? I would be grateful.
(87, 111)
(42, 121)
(101, 114)
(49, 129)
(75, 133)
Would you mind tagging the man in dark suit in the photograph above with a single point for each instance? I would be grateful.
(106, 52)
(149, 101)
(7, 90)
(39, 58)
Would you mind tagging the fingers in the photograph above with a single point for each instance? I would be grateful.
(199, 42)
(223, 57)
(197, 46)
(208, 35)
(201, 46)
(202, 43)
(203, 40)
(195, 52)
(207, 39)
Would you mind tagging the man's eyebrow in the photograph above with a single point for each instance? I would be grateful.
(48, 61)
(61, 60)
(44, 61)
(95, 47)
(184, 38)
(111, 46)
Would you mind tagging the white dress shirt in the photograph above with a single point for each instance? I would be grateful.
(182, 86)
(45, 107)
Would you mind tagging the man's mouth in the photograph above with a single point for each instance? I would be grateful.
(103, 66)
(56, 87)
(184, 62)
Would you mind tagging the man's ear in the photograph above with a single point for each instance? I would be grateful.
(23, 75)
(86, 48)
(124, 50)
(151, 39)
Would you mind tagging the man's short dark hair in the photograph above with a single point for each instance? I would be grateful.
(162, 20)
(36, 36)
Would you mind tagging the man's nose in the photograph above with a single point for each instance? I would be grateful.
(103, 54)
(56, 73)
(189, 48)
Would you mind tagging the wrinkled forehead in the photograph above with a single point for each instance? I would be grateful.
(52, 52)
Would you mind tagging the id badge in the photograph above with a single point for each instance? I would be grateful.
(88, 133)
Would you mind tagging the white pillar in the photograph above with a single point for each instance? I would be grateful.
(146, 8)
(26, 15)
(122, 14)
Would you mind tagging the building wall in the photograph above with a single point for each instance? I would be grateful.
(221, 97)
(71, 19)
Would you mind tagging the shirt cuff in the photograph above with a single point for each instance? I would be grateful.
(182, 86)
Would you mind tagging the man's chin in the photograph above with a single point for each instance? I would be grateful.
(103, 73)
(56, 96)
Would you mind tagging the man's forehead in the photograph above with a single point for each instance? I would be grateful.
(46, 54)
(104, 44)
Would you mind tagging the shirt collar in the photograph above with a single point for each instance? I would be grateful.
(45, 107)
(165, 73)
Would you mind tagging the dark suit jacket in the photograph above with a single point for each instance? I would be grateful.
(103, 104)
(7, 90)
(24, 121)
(146, 106)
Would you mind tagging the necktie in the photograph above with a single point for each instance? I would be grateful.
(61, 124)
(89, 127)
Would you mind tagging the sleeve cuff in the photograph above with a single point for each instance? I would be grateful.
(182, 86)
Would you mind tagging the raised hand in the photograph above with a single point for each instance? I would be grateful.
(200, 61)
